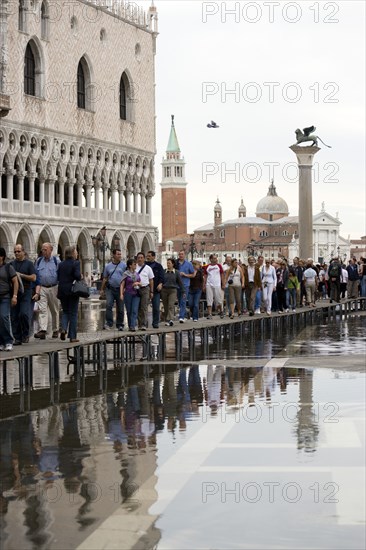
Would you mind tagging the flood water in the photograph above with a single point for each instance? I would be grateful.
(258, 445)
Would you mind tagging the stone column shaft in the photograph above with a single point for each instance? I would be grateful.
(305, 157)
(9, 189)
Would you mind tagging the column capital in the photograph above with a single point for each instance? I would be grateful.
(304, 155)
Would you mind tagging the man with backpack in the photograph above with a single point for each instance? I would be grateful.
(21, 312)
(112, 278)
(8, 299)
(46, 291)
(334, 279)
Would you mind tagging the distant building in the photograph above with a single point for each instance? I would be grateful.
(358, 247)
(271, 232)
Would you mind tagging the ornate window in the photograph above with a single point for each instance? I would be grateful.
(285, 233)
(81, 90)
(29, 72)
(123, 97)
(263, 234)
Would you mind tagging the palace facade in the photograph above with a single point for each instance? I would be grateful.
(77, 137)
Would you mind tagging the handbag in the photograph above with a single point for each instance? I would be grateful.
(80, 289)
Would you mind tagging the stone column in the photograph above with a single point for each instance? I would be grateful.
(305, 157)
(9, 188)
(71, 183)
(148, 204)
(128, 198)
(135, 201)
(113, 201)
(41, 193)
(120, 199)
(31, 178)
(79, 184)
(61, 188)
(21, 176)
(51, 194)
(97, 207)
(105, 202)
(89, 185)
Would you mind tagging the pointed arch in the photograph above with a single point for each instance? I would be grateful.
(84, 84)
(34, 68)
(126, 97)
(25, 237)
(46, 235)
(6, 237)
(132, 246)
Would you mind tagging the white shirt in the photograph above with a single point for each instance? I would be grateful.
(344, 278)
(214, 275)
(251, 271)
(146, 274)
(268, 275)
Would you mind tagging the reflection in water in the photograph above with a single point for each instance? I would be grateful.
(79, 461)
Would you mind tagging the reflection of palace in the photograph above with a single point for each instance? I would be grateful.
(271, 232)
(78, 142)
(98, 456)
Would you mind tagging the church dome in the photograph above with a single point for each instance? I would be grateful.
(272, 204)
(218, 207)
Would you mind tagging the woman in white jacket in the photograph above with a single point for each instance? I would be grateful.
(269, 280)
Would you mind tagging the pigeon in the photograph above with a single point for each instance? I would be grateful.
(212, 125)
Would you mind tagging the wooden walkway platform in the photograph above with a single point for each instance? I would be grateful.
(93, 347)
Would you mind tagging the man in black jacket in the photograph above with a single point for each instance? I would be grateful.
(158, 271)
(353, 279)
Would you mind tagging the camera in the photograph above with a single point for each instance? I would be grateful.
(230, 281)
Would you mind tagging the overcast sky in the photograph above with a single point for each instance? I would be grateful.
(289, 65)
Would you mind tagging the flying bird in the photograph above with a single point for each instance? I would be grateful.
(212, 125)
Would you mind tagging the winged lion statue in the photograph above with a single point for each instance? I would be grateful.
(307, 135)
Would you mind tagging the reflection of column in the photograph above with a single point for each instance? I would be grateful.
(305, 157)
(307, 426)
(21, 176)
(31, 178)
(9, 188)
(41, 193)
(61, 187)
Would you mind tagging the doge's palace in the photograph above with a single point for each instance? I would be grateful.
(77, 133)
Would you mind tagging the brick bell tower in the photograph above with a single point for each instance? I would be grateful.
(173, 190)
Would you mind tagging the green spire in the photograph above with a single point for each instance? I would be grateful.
(173, 145)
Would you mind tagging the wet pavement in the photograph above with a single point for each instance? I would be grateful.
(258, 446)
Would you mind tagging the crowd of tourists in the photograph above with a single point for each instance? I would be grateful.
(262, 286)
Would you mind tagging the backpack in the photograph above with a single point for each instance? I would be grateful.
(334, 270)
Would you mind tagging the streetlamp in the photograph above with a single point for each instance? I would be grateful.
(338, 251)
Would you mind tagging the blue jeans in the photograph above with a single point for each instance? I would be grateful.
(258, 299)
(363, 286)
(194, 302)
(113, 295)
(69, 317)
(21, 315)
(292, 292)
(155, 302)
(132, 307)
(6, 335)
(182, 302)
